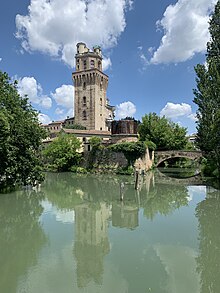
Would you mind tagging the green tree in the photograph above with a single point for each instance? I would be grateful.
(63, 152)
(207, 98)
(95, 142)
(165, 134)
(20, 137)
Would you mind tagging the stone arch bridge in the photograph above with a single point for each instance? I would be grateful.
(161, 156)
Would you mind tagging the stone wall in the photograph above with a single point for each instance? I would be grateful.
(106, 160)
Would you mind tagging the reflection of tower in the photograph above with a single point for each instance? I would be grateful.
(91, 243)
(91, 108)
(124, 216)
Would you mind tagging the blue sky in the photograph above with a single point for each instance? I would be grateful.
(150, 49)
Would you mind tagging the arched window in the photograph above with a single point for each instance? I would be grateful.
(84, 101)
(92, 64)
(99, 65)
(84, 85)
(84, 64)
(84, 115)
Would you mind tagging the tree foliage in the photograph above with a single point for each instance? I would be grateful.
(131, 150)
(95, 142)
(62, 153)
(207, 98)
(20, 137)
(165, 134)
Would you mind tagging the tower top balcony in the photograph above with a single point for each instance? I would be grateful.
(83, 49)
(87, 59)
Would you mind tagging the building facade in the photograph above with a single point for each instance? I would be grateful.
(91, 107)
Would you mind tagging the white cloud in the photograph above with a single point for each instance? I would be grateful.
(192, 117)
(172, 110)
(106, 63)
(59, 111)
(64, 96)
(29, 86)
(185, 26)
(126, 109)
(46, 102)
(43, 118)
(54, 27)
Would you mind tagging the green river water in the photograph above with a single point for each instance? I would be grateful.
(76, 235)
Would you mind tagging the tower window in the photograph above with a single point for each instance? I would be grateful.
(84, 85)
(92, 63)
(84, 64)
(99, 65)
(84, 115)
(84, 101)
(101, 101)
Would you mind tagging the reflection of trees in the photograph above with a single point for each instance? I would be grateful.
(21, 236)
(208, 261)
(162, 198)
(66, 190)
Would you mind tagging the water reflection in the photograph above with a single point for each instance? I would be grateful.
(96, 204)
(208, 261)
(21, 236)
(98, 243)
(91, 244)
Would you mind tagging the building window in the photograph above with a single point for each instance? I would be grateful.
(101, 86)
(88, 147)
(84, 115)
(84, 85)
(101, 101)
(84, 101)
(92, 64)
(101, 114)
(84, 64)
(100, 128)
(99, 65)
(77, 61)
(84, 139)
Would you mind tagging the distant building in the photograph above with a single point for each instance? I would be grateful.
(192, 138)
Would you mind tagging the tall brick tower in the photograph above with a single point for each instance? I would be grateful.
(91, 108)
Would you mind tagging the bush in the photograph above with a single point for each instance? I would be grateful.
(125, 170)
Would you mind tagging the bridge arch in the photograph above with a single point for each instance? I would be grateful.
(161, 156)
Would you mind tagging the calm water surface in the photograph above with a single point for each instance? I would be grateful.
(75, 235)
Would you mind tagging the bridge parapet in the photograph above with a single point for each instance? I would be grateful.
(161, 156)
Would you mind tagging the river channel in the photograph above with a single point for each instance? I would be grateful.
(76, 235)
